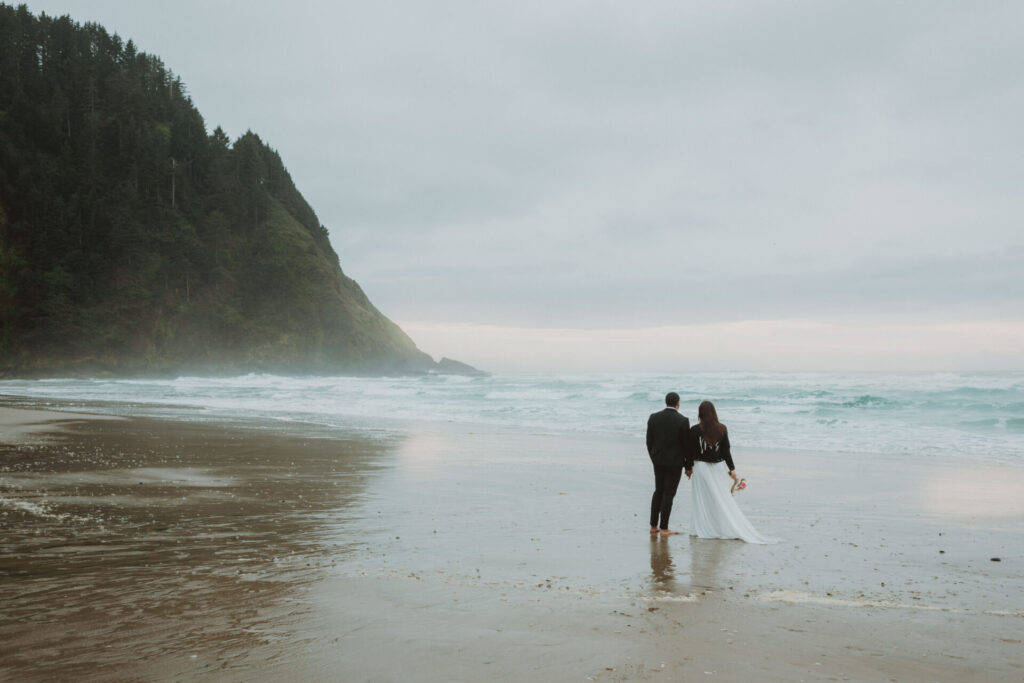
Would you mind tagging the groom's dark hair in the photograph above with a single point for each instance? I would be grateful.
(672, 399)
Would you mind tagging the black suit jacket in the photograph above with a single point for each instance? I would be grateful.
(668, 438)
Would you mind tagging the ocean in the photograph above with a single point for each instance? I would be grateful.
(972, 415)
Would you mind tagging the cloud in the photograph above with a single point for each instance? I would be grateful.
(754, 345)
(544, 164)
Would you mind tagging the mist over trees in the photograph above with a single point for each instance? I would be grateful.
(133, 240)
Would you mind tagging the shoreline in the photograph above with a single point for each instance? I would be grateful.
(147, 548)
(388, 425)
(966, 416)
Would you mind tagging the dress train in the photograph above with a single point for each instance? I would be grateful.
(715, 512)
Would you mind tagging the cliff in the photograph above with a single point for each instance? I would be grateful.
(133, 241)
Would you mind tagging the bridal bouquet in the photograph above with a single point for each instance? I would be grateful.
(738, 486)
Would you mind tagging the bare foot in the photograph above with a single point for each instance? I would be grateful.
(654, 529)
(668, 532)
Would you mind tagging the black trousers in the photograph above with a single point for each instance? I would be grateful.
(666, 481)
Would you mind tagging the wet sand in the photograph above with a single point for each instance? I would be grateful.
(18, 425)
(137, 549)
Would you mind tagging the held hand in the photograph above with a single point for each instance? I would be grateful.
(733, 475)
(689, 473)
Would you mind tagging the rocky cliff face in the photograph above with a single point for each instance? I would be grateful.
(134, 241)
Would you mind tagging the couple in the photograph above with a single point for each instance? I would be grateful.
(703, 452)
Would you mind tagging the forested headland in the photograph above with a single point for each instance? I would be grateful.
(132, 240)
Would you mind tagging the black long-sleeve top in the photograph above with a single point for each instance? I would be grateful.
(709, 454)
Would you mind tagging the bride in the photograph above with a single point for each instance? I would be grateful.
(715, 513)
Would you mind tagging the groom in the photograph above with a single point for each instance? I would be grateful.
(668, 439)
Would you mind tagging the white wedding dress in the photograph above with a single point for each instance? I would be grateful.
(715, 512)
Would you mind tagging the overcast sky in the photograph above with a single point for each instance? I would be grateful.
(534, 184)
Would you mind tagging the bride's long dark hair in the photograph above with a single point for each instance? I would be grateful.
(710, 428)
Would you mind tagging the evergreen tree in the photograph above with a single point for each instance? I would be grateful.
(132, 240)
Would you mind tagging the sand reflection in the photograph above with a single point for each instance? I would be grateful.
(136, 543)
(973, 491)
(710, 564)
(425, 451)
(663, 569)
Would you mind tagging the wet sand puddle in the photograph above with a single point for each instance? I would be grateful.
(166, 541)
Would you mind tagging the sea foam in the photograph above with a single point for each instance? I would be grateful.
(973, 415)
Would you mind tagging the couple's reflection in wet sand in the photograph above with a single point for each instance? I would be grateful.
(709, 565)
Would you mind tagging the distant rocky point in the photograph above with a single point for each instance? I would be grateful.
(447, 366)
(132, 241)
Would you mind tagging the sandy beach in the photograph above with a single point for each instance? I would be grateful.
(140, 549)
